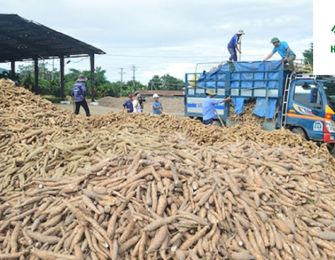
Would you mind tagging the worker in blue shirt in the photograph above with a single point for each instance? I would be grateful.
(208, 107)
(157, 107)
(128, 105)
(233, 45)
(79, 93)
(284, 51)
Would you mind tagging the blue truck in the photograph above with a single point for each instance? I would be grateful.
(304, 104)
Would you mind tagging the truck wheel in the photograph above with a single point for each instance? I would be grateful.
(331, 148)
(299, 131)
(217, 123)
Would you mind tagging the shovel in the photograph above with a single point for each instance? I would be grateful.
(219, 117)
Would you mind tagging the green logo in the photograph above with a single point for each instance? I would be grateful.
(332, 47)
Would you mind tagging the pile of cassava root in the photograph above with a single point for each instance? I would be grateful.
(247, 117)
(138, 187)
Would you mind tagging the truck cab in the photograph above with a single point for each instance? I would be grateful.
(310, 108)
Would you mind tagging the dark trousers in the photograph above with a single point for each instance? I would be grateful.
(289, 65)
(233, 54)
(84, 105)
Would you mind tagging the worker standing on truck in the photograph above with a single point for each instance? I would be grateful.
(208, 107)
(284, 51)
(233, 45)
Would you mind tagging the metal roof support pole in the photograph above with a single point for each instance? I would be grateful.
(92, 79)
(12, 69)
(61, 77)
(36, 87)
(227, 93)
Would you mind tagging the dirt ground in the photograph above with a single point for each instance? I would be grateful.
(95, 110)
(172, 106)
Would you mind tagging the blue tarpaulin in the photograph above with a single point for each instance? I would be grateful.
(248, 75)
(238, 105)
(244, 74)
(265, 108)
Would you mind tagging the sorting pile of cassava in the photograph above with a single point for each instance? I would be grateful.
(37, 148)
(22, 112)
(247, 117)
(140, 187)
(212, 134)
(55, 155)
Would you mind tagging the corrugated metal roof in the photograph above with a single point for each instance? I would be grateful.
(22, 39)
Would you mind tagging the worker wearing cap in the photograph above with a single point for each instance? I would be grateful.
(233, 45)
(157, 107)
(284, 51)
(79, 93)
(208, 107)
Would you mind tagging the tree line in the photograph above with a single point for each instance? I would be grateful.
(49, 82)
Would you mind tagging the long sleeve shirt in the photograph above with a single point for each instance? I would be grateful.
(208, 108)
(79, 91)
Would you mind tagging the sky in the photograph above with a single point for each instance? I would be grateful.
(170, 36)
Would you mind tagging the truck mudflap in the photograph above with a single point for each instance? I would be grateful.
(331, 148)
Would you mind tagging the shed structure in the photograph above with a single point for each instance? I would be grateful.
(21, 39)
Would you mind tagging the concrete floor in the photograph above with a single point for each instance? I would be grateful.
(94, 109)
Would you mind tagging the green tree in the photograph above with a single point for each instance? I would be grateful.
(132, 86)
(26, 75)
(155, 83)
(308, 55)
(109, 89)
(100, 76)
(166, 82)
(101, 83)
(171, 83)
(48, 83)
(27, 81)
